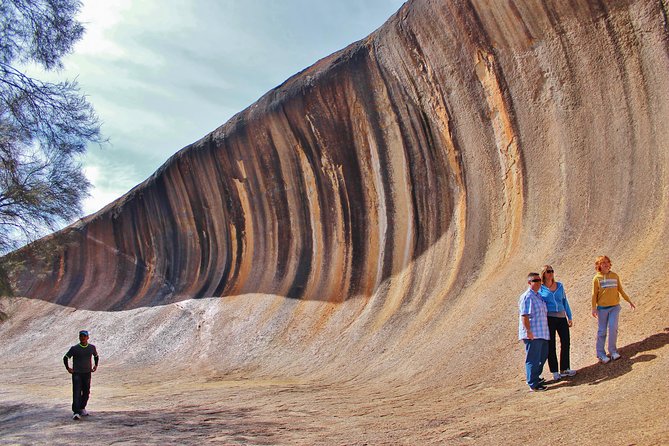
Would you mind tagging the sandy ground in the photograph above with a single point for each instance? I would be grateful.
(173, 402)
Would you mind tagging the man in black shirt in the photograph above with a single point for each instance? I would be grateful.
(81, 373)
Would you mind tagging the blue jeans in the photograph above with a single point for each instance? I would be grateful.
(536, 353)
(607, 318)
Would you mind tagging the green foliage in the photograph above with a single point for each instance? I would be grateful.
(44, 127)
(5, 284)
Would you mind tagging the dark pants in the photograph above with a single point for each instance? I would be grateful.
(81, 389)
(559, 325)
(536, 351)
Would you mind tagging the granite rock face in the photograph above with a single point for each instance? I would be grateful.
(460, 137)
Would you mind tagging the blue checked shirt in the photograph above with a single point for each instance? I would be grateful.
(530, 303)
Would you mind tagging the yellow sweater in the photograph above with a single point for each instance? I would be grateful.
(605, 289)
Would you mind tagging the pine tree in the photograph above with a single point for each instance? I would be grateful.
(44, 127)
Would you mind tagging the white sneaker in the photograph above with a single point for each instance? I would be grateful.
(556, 376)
(604, 359)
(568, 372)
(76, 417)
(615, 356)
(84, 413)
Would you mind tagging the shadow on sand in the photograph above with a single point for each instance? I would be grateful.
(27, 424)
(631, 354)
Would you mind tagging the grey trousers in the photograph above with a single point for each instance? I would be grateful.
(607, 319)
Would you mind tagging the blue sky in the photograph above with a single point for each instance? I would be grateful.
(162, 74)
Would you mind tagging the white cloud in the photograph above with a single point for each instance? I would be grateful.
(109, 183)
(162, 74)
(99, 17)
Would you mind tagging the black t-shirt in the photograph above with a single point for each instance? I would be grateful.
(81, 362)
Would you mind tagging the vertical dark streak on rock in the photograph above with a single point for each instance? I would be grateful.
(484, 42)
(664, 8)
(213, 234)
(519, 17)
(277, 235)
(177, 243)
(192, 213)
(75, 278)
(597, 9)
(224, 238)
(323, 190)
(646, 85)
(353, 213)
(121, 288)
(446, 206)
(206, 234)
(364, 89)
(157, 241)
(138, 273)
(61, 296)
(618, 57)
(254, 187)
(165, 224)
(432, 146)
(227, 171)
(354, 202)
(211, 256)
(286, 224)
(556, 23)
(412, 147)
(118, 233)
(475, 28)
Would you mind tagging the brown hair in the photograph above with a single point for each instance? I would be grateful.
(543, 273)
(599, 261)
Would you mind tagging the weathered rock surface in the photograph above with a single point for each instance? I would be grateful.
(370, 222)
(477, 128)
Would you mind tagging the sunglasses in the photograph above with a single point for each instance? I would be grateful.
(534, 280)
(549, 271)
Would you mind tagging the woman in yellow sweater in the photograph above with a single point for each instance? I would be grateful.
(606, 292)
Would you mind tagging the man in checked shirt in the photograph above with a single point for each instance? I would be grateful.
(533, 331)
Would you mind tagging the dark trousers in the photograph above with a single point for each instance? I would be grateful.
(81, 389)
(559, 325)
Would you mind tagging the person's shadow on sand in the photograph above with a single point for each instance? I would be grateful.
(598, 373)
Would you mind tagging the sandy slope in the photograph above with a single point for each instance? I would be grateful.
(149, 390)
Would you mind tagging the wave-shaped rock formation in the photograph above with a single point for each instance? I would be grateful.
(458, 139)
(342, 260)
